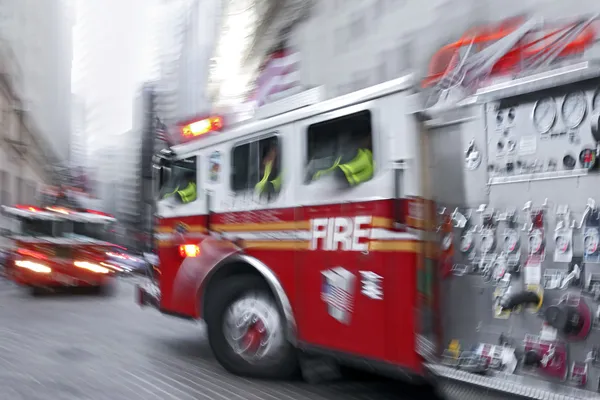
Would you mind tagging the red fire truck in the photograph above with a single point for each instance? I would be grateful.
(311, 229)
(59, 247)
(306, 234)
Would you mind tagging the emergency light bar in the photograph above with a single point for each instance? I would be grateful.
(29, 211)
(201, 127)
(57, 213)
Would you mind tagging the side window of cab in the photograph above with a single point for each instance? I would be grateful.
(341, 148)
(179, 181)
(256, 168)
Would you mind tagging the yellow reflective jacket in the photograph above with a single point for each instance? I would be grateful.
(187, 195)
(356, 171)
(263, 186)
(359, 169)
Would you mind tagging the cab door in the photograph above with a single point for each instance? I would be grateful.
(335, 312)
(181, 220)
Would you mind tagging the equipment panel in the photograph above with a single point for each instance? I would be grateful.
(546, 132)
(521, 298)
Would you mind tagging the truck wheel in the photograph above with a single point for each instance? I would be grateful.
(246, 330)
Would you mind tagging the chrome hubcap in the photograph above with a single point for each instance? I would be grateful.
(253, 328)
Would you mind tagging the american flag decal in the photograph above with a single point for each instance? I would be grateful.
(338, 293)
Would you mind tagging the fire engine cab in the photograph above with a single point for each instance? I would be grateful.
(301, 232)
(55, 246)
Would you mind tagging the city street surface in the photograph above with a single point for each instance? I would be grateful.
(78, 346)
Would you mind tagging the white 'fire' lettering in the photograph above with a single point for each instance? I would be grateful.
(340, 233)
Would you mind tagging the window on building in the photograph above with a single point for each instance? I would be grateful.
(179, 181)
(341, 147)
(256, 167)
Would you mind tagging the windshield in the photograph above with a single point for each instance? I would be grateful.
(66, 229)
(89, 230)
(177, 176)
(33, 227)
(40, 227)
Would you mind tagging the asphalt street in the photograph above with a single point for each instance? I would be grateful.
(84, 346)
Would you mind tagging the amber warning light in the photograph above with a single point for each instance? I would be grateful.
(202, 127)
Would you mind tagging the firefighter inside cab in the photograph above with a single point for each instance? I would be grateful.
(180, 182)
(352, 165)
(270, 173)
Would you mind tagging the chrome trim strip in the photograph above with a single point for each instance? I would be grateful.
(540, 81)
(537, 176)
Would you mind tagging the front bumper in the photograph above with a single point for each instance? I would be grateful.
(148, 295)
(58, 278)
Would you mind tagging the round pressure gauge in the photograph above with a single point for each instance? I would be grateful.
(590, 241)
(488, 240)
(536, 240)
(587, 158)
(544, 114)
(466, 242)
(569, 161)
(511, 241)
(446, 242)
(573, 109)
(562, 244)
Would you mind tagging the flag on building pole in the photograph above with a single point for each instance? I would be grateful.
(279, 74)
(162, 132)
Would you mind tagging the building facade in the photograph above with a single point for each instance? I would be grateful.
(107, 65)
(133, 176)
(184, 49)
(79, 148)
(40, 34)
(347, 45)
(24, 157)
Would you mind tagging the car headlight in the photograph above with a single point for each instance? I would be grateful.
(33, 266)
(91, 267)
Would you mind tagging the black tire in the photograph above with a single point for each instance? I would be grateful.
(37, 291)
(286, 366)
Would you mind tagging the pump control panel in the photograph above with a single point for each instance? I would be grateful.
(549, 132)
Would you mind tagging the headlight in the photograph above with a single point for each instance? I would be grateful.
(33, 266)
(113, 266)
(91, 267)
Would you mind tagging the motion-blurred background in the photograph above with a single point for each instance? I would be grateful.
(92, 88)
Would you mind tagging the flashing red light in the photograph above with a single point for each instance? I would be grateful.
(202, 126)
(189, 250)
(27, 208)
(60, 210)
